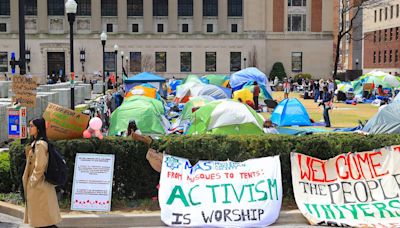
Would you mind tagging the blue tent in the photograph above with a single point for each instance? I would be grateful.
(250, 74)
(145, 77)
(290, 112)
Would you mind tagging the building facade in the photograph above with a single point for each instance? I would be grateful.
(381, 31)
(173, 37)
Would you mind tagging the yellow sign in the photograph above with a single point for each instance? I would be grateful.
(64, 123)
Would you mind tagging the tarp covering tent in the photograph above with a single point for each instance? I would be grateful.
(147, 112)
(387, 121)
(145, 77)
(194, 102)
(215, 79)
(184, 91)
(142, 91)
(244, 94)
(378, 78)
(248, 75)
(290, 112)
(226, 117)
(397, 98)
(213, 91)
(173, 84)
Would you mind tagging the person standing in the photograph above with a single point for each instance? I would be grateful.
(41, 207)
(256, 93)
(286, 88)
(326, 103)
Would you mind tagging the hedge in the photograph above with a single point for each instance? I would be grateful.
(135, 179)
(6, 183)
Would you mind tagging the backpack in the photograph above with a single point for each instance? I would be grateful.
(57, 169)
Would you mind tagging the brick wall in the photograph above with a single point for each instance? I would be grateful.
(316, 16)
(278, 15)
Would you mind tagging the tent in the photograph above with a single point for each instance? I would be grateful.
(216, 79)
(249, 75)
(387, 121)
(290, 112)
(227, 117)
(141, 90)
(147, 112)
(397, 98)
(213, 91)
(194, 102)
(145, 77)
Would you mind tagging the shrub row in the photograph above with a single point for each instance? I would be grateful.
(6, 183)
(134, 178)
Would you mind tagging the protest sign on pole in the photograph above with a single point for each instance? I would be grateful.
(92, 184)
(17, 127)
(355, 189)
(64, 123)
(25, 90)
(220, 193)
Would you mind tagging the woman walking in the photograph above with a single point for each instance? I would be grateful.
(41, 208)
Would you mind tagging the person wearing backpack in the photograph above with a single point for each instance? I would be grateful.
(41, 207)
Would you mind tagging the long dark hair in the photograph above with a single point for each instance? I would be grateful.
(132, 127)
(40, 124)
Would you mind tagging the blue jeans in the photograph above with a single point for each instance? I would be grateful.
(326, 117)
(316, 95)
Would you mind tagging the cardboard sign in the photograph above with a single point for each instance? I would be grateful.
(92, 184)
(25, 90)
(354, 189)
(64, 123)
(17, 127)
(220, 193)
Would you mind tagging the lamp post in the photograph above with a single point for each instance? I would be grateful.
(127, 65)
(122, 66)
(28, 59)
(116, 61)
(70, 8)
(103, 38)
(356, 64)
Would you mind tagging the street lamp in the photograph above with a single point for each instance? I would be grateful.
(70, 8)
(116, 61)
(127, 65)
(356, 64)
(122, 66)
(103, 38)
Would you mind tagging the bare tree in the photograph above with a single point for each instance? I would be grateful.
(253, 57)
(352, 9)
(147, 63)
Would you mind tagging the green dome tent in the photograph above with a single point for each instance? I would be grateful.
(147, 112)
(227, 117)
(216, 79)
(194, 102)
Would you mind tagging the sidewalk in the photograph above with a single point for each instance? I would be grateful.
(292, 218)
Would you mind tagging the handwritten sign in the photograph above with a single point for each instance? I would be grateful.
(220, 193)
(92, 184)
(64, 123)
(17, 128)
(354, 189)
(25, 90)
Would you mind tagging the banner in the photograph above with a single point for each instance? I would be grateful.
(354, 189)
(220, 193)
(25, 90)
(92, 184)
(64, 123)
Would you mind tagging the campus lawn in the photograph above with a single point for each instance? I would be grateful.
(343, 115)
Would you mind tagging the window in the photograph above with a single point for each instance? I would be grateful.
(397, 33)
(160, 27)
(160, 8)
(211, 61)
(234, 28)
(135, 27)
(109, 8)
(380, 35)
(391, 34)
(186, 61)
(374, 60)
(55, 7)
(31, 7)
(374, 36)
(161, 61)
(385, 38)
(3, 27)
(396, 56)
(109, 60)
(386, 13)
(397, 10)
(185, 8)
(110, 28)
(390, 56)
(185, 27)
(384, 56)
(391, 12)
(297, 2)
(3, 62)
(135, 8)
(296, 22)
(5, 7)
(380, 14)
(375, 16)
(84, 7)
(236, 61)
(136, 61)
(210, 8)
(210, 28)
(297, 61)
(235, 8)
(379, 57)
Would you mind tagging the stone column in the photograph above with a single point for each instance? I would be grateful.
(222, 16)
(95, 22)
(122, 16)
(172, 16)
(198, 16)
(14, 26)
(148, 16)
